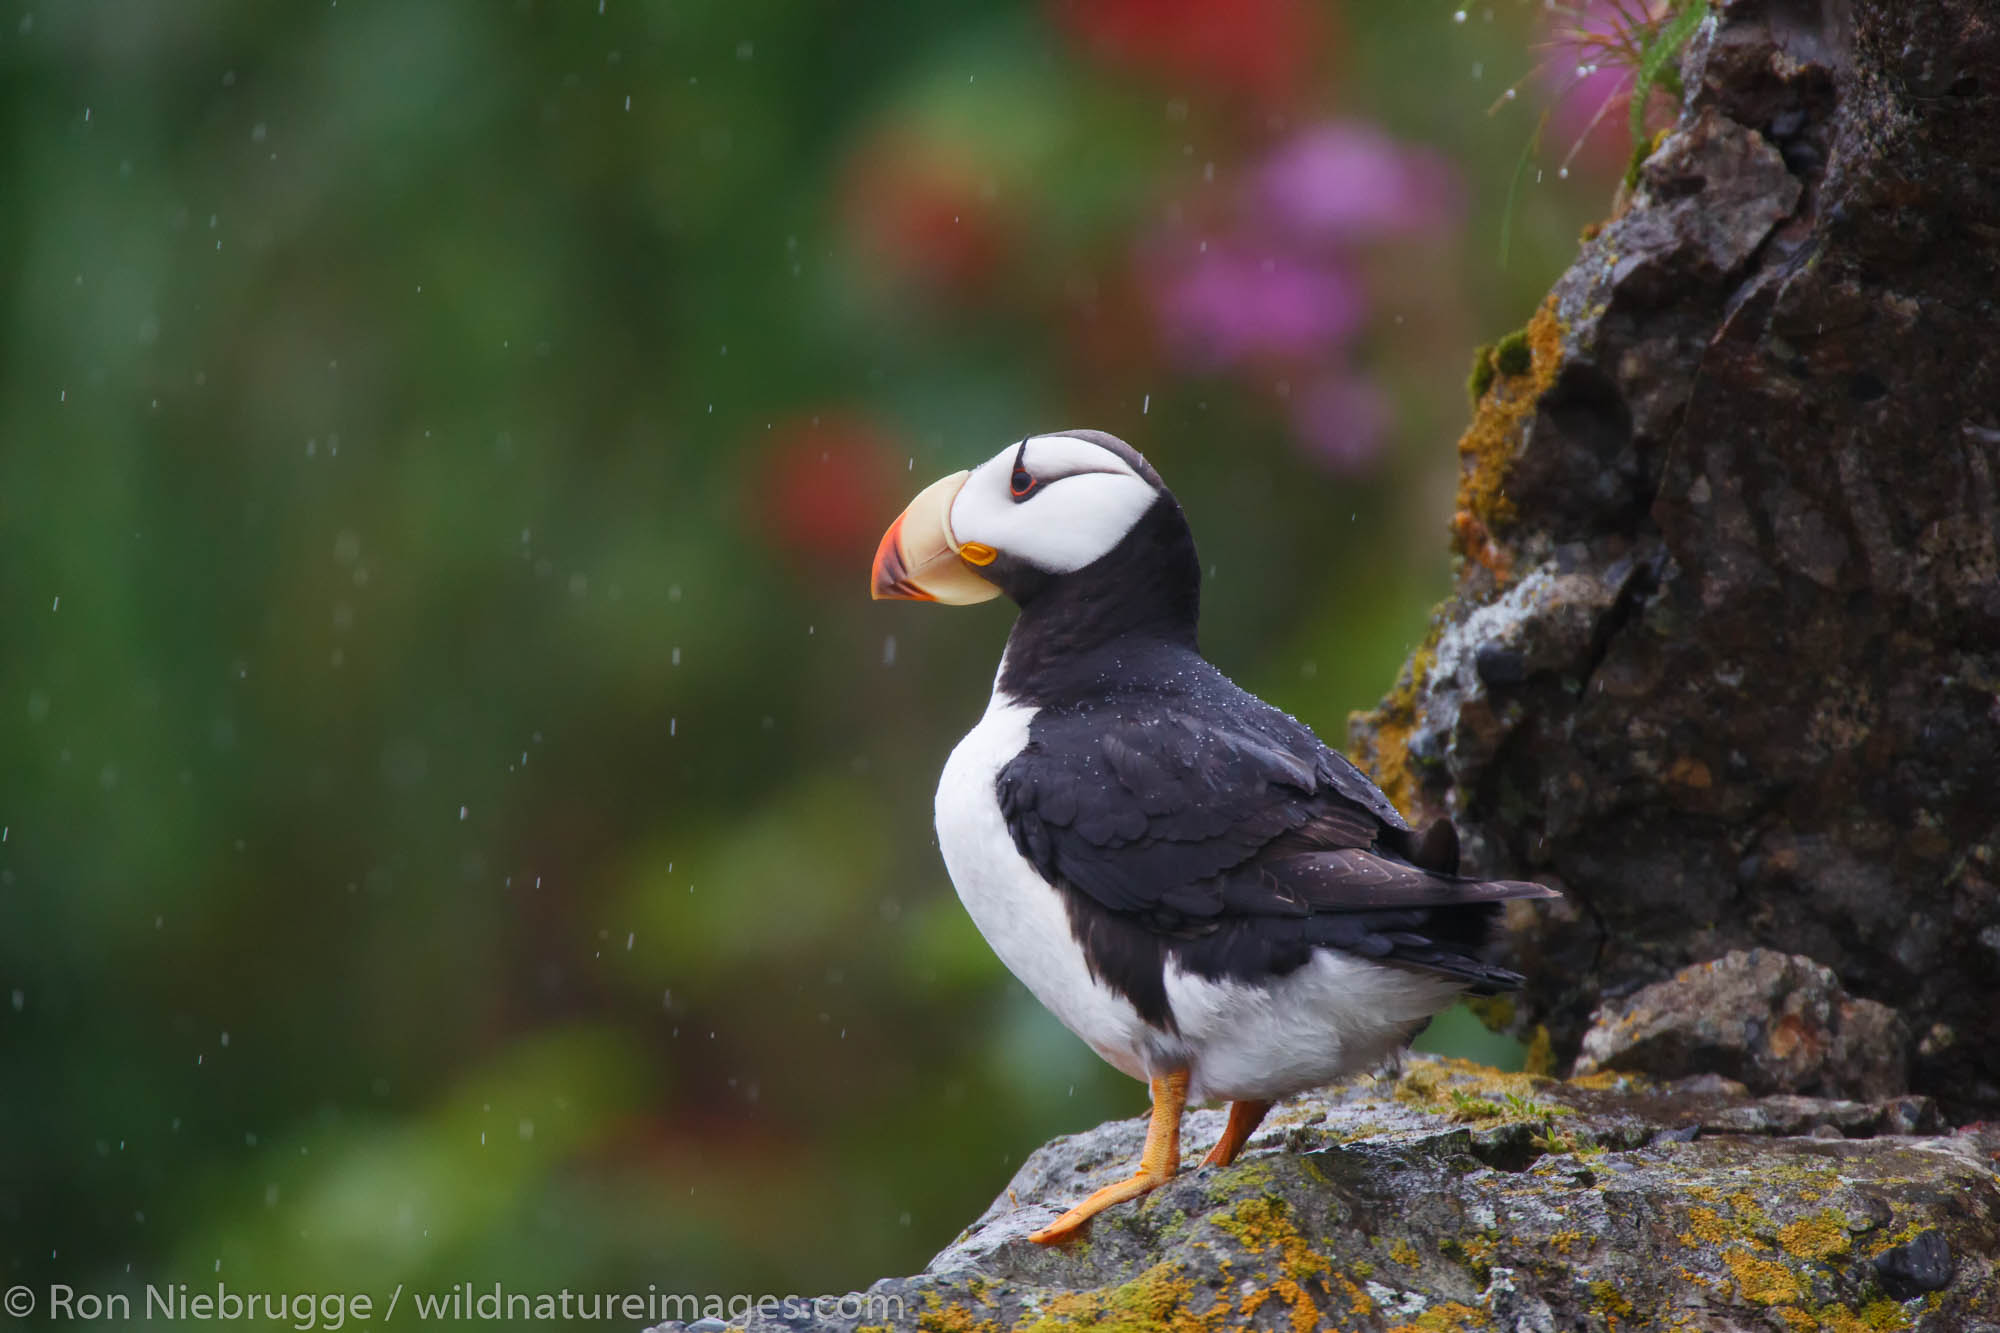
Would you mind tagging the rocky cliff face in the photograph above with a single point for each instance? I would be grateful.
(1454, 1198)
(1724, 657)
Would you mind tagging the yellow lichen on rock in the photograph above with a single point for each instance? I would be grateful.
(1820, 1236)
(1265, 1224)
(1761, 1280)
(1446, 1317)
(1157, 1299)
(1706, 1227)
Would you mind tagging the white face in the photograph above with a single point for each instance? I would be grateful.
(1065, 506)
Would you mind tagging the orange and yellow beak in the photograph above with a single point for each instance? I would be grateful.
(920, 561)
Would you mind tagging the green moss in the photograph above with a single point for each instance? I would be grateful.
(1541, 1057)
(1247, 1178)
(1157, 1299)
(1512, 355)
(1468, 1092)
(1481, 378)
(1606, 1299)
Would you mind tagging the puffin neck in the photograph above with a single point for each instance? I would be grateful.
(1145, 590)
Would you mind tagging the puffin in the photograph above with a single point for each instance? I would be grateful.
(1216, 902)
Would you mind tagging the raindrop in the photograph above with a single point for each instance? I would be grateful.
(20, 1000)
(1562, 173)
(1145, 404)
(673, 725)
(461, 814)
(1458, 16)
(675, 656)
(888, 653)
(629, 937)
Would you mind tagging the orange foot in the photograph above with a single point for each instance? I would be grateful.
(1157, 1164)
(1244, 1117)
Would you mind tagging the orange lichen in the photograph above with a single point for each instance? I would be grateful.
(1706, 1227)
(1820, 1236)
(1761, 1280)
(1265, 1224)
(1382, 744)
(1487, 449)
(1750, 1211)
(954, 1319)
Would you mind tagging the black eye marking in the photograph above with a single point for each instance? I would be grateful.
(1022, 484)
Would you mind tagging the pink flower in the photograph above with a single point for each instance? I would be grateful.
(1345, 181)
(1234, 302)
(1342, 421)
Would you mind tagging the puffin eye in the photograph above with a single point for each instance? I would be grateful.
(1022, 483)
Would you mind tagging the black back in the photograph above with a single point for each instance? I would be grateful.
(1185, 818)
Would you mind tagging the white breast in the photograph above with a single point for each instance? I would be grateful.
(1337, 1015)
(1021, 914)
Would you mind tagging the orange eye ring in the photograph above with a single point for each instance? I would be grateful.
(977, 553)
(1021, 483)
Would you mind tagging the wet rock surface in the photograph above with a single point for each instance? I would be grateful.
(1723, 662)
(1452, 1197)
(1770, 1021)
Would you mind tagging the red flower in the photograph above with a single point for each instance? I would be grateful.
(1261, 47)
(923, 214)
(821, 490)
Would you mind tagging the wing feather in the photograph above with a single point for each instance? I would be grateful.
(1214, 819)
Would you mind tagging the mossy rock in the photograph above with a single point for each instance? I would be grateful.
(1459, 1197)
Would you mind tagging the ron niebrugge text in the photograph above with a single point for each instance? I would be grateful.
(181, 1302)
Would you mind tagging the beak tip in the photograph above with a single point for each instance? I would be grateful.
(889, 580)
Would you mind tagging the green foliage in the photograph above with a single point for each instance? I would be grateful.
(1659, 55)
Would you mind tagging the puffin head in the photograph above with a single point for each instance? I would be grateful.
(1065, 510)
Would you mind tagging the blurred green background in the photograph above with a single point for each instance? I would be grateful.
(462, 817)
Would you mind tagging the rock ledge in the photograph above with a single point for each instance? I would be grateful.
(1457, 1197)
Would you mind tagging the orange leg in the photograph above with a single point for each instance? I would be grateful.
(1244, 1117)
(1157, 1164)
